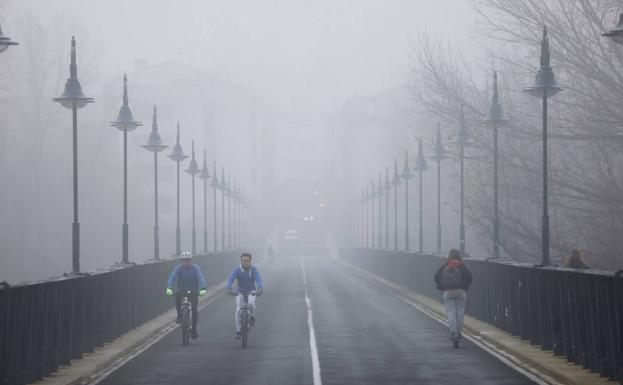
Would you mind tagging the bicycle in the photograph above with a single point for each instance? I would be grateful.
(245, 315)
(186, 323)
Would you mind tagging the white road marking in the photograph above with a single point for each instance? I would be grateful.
(312, 333)
(510, 360)
(95, 378)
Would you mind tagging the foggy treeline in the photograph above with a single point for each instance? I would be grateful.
(322, 99)
(585, 123)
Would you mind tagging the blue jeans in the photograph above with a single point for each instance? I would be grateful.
(455, 308)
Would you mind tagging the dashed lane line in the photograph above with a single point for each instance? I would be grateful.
(312, 333)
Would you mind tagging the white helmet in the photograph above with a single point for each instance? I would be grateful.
(186, 255)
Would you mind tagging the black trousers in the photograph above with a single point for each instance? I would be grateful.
(194, 300)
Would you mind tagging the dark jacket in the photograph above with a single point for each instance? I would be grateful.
(466, 277)
(576, 263)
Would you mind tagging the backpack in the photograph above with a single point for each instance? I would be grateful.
(451, 278)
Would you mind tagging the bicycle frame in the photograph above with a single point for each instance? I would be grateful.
(244, 315)
(187, 319)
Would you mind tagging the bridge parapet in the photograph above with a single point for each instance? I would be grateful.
(46, 324)
(575, 314)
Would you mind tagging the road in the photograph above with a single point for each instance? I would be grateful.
(364, 335)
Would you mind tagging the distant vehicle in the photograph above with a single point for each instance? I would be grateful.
(291, 236)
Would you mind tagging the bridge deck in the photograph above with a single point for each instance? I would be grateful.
(364, 334)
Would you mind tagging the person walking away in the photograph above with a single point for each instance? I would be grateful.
(453, 279)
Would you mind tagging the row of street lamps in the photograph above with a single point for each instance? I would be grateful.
(73, 98)
(544, 86)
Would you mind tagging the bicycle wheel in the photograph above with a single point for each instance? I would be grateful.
(185, 326)
(244, 327)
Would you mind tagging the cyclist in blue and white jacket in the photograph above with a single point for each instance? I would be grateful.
(249, 280)
(187, 276)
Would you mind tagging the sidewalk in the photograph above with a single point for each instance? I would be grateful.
(540, 363)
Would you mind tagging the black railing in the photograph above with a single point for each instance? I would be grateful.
(47, 324)
(575, 314)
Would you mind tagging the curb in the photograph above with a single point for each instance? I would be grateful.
(540, 363)
(96, 366)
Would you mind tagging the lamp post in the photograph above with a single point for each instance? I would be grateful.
(72, 98)
(243, 214)
(439, 154)
(125, 122)
(420, 167)
(215, 185)
(223, 188)
(177, 155)
(363, 217)
(461, 141)
(396, 182)
(235, 198)
(544, 86)
(379, 194)
(372, 221)
(193, 170)
(406, 175)
(387, 187)
(204, 175)
(154, 144)
(367, 216)
(6, 42)
(228, 193)
(496, 118)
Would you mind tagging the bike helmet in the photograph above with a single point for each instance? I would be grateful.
(186, 255)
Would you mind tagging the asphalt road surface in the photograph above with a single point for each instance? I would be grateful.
(363, 335)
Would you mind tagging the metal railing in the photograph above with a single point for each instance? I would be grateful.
(575, 314)
(46, 324)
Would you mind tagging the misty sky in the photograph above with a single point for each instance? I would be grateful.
(303, 58)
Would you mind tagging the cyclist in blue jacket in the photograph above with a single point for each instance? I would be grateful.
(249, 280)
(185, 277)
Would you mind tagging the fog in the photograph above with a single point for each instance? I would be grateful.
(303, 103)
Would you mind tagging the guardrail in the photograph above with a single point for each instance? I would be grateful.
(46, 324)
(575, 314)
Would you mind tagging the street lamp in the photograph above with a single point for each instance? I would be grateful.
(545, 85)
(367, 215)
(228, 191)
(125, 122)
(215, 185)
(379, 194)
(204, 174)
(420, 167)
(496, 118)
(193, 170)
(154, 144)
(372, 221)
(396, 182)
(223, 188)
(243, 215)
(616, 33)
(177, 155)
(235, 199)
(461, 141)
(73, 98)
(439, 154)
(6, 42)
(406, 175)
(363, 217)
(387, 187)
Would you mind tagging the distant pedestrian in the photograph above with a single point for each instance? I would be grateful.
(576, 261)
(453, 278)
